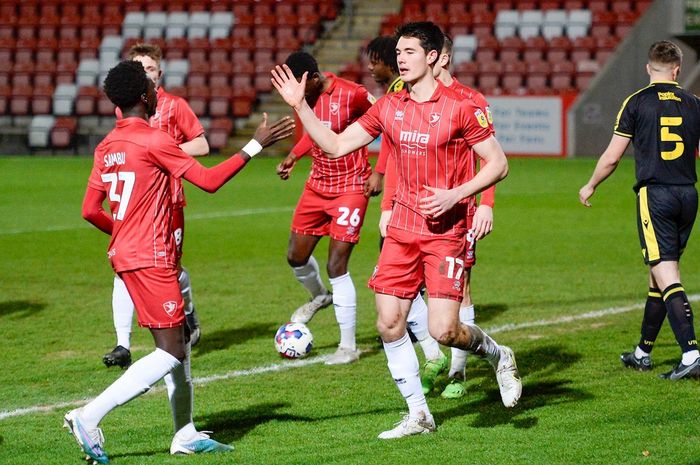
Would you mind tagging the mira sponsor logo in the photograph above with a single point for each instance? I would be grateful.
(414, 142)
(116, 158)
(668, 96)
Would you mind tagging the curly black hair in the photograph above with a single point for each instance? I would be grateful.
(126, 83)
(383, 49)
(300, 63)
(429, 35)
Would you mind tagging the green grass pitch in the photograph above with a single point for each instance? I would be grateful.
(548, 258)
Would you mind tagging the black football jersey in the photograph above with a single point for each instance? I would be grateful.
(663, 121)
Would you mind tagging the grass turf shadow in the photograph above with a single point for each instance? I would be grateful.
(24, 308)
(225, 338)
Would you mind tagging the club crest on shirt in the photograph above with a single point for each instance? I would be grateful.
(398, 116)
(334, 107)
(170, 306)
(434, 118)
(481, 118)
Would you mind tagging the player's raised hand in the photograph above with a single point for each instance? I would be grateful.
(483, 222)
(585, 193)
(284, 169)
(291, 90)
(268, 135)
(440, 202)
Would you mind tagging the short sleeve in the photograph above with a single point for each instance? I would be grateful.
(361, 102)
(188, 122)
(624, 123)
(475, 123)
(371, 121)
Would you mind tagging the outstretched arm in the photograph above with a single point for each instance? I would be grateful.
(333, 145)
(211, 179)
(93, 211)
(605, 167)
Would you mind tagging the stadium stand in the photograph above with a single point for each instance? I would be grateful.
(217, 53)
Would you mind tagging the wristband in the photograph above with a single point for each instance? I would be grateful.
(252, 148)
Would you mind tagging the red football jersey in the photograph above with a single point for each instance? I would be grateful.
(174, 116)
(338, 107)
(488, 195)
(432, 141)
(134, 165)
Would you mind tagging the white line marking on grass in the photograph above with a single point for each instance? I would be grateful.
(316, 360)
(192, 217)
(199, 381)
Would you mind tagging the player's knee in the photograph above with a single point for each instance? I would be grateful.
(295, 260)
(445, 335)
(336, 267)
(389, 329)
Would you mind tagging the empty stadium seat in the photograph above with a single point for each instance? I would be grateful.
(133, 24)
(220, 26)
(63, 98)
(220, 101)
(463, 48)
(39, 130)
(578, 23)
(530, 23)
(553, 23)
(154, 25)
(175, 73)
(86, 101)
(41, 99)
(176, 25)
(63, 132)
(219, 131)
(198, 25)
(511, 48)
(506, 23)
(111, 48)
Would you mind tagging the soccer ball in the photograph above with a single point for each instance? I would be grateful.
(293, 340)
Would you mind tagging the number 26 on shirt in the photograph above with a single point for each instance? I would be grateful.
(127, 179)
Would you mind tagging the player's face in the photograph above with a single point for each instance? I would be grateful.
(313, 89)
(380, 71)
(152, 68)
(151, 99)
(412, 59)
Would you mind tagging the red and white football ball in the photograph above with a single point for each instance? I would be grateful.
(294, 340)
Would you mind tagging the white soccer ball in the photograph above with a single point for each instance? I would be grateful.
(294, 340)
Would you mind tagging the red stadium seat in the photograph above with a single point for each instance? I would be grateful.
(86, 101)
(480, 6)
(574, 4)
(562, 77)
(25, 49)
(176, 48)
(5, 96)
(558, 49)
(105, 107)
(45, 73)
(22, 73)
(483, 24)
(198, 73)
(63, 132)
(89, 47)
(598, 5)
(534, 49)
(198, 98)
(513, 76)
(537, 75)
(550, 5)
(220, 50)
(20, 100)
(198, 50)
(490, 74)
(7, 49)
(582, 48)
(242, 101)
(65, 72)
(42, 100)
(625, 23)
(219, 132)
(499, 5)
(511, 48)
(487, 49)
(46, 50)
(220, 74)
(220, 101)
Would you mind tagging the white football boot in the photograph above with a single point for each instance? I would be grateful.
(508, 378)
(307, 311)
(343, 356)
(409, 426)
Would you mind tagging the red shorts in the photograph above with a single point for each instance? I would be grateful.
(156, 296)
(339, 216)
(178, 226)
(408, 260)
(470, 259)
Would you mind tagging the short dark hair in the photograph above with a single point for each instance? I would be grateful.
(149, 50)
(300, 63)
(126, 83)
(665, 52)
(429, 34)
(383, 49)
(448, 45)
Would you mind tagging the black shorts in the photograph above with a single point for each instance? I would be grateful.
(665, 217)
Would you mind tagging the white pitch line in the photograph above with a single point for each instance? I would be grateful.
(189, 217)
(315, 360)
